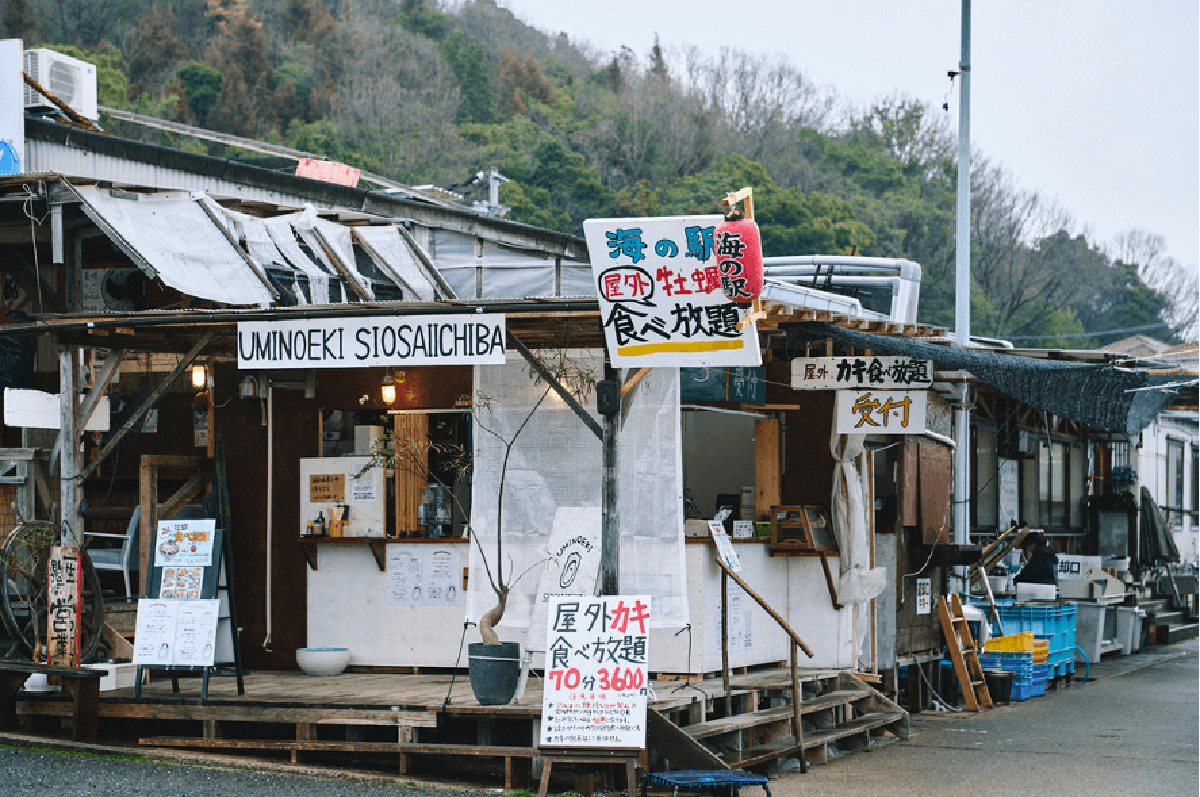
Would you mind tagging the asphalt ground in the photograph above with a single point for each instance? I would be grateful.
(1131, 730)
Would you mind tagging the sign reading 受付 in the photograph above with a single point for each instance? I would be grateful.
(661, 300)
(881, 373)
(880, 412)
(368, 342)
(596, 672)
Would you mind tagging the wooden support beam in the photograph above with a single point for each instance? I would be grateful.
(184, 495)
(99, 385)
(23, 270)
(543, 372)
(343, 268)
(136, 418)
(633, 381)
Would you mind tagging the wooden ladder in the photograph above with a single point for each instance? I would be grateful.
(963, 654)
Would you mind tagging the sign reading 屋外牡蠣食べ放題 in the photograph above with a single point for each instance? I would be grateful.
(659, 281)
(476, 339)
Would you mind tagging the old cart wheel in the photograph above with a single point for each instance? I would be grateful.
(23, 560)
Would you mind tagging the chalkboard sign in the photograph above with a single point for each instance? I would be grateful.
(744, 385)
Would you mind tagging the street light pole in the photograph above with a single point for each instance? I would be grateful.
(962, 287)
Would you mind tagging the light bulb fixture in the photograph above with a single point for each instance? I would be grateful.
(199, 378)
(388, 390)
(248, 387)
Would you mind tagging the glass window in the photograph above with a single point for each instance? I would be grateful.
(1174, 496)
(1052, 484)
(1120, 455)
(985, 479)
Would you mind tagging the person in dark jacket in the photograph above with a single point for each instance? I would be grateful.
(1041, 562)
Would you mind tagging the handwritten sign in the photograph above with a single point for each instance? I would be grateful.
(596, 672)
(661, 300)
(63, 587)
(327, 488)
(880, 412)
(423, 576)
(882, 373)
(184, 543)
(173, 633)
(724, 546)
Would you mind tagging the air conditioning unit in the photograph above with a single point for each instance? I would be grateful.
(69, 79)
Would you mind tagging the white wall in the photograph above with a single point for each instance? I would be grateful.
(1150, 462)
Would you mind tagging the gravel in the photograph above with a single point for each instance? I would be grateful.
(25, 773)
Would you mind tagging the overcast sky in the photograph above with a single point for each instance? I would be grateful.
(1092, 103)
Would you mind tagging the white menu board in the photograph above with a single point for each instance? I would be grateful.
(176, 633)
(423, 575)
(597, 680)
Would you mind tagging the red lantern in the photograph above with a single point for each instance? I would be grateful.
(738, 248)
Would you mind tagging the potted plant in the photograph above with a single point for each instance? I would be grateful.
(493, 665)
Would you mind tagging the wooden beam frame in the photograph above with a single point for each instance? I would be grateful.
(540, 368)
(151, 400)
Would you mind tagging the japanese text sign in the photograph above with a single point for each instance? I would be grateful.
(326, 488)
(881, 373)
(880, 412)
(63, 587)
(184, 543)
(596, 672)
(661, 296)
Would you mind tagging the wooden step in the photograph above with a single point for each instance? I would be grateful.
(739, 722)
(857, 725)
(787, 746)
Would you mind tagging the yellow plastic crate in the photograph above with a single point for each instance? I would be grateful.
(1011, 643)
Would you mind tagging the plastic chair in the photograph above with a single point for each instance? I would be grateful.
(123, 558)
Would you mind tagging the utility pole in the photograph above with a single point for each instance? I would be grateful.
(962, 288)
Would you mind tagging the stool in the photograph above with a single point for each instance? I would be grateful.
(698, 780)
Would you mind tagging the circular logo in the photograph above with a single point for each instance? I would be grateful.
(571, 569)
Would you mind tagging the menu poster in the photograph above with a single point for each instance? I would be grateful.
(182, 583)
(596, 685)
(186, 543)
(173, 633)
(419, 576)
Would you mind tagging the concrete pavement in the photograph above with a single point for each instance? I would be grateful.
(1132, 731)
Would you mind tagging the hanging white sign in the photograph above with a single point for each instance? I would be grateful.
(880, 411)
(596, 685)
(661, 301)
(881, 373)
(467, 339)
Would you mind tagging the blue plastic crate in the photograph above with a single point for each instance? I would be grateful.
(1054, 622)
(1026, 691)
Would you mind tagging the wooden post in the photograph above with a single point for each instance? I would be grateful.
(725, 642)
(68, 435)
(148, 522)
(610, 529)
(63, 584)
(797, 728)
(766, 467)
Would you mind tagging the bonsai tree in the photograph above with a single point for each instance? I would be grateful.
(389, 452)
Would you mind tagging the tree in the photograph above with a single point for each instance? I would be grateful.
(152, 51)
(202, 87)
(658, 65)
(466, 58)
(1177, 283)
(20, 22)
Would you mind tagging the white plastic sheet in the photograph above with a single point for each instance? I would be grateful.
(175, 237)
(284, 237)
(858, 582)
(395, 259)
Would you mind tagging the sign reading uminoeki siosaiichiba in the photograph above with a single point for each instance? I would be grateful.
(373, 341)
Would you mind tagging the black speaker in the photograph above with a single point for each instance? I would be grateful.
(608, 397)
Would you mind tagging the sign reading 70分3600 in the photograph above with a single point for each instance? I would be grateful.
(661, 302)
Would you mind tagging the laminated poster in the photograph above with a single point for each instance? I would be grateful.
(175, 633)
(423, 576)
(184, 543)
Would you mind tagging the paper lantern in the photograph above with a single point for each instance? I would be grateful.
(738, 248)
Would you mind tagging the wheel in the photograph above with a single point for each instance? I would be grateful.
(23, 560)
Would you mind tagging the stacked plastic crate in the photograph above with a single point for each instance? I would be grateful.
(1053, 623)
(1019, 653)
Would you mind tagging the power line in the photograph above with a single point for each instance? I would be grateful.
(1091, 334)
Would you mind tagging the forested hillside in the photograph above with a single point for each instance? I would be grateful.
(430, 93)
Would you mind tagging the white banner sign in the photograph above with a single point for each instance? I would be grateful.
(596, 672)
(880, 373)
(880, 412)
(468, 339)
(176, 633)
(661, 301)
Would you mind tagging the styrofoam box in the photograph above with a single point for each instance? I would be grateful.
(116, 676)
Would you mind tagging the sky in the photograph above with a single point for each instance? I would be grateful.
(1091, 103)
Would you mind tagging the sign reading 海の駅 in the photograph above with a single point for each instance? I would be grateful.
(467, 339)
(880, 411)
(661, 300)
(596, 678)
(880, 373)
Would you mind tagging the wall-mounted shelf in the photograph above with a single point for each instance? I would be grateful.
(309, 546)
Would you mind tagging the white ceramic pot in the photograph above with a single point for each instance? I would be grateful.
(322, 661)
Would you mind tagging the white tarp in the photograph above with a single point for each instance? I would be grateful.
(394, 259)
(556, 463)
(175, 237)
(284, 237)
